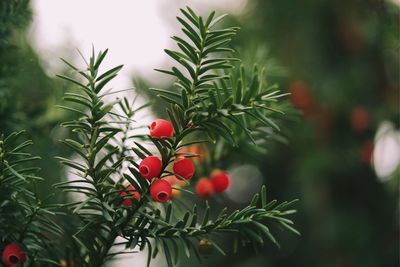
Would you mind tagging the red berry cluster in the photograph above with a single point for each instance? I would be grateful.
(13, 255)
(127, 195)
(219, 181)
(151, 167)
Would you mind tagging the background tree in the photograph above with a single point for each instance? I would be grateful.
(342, 67)
(342, 62)
(22, 74)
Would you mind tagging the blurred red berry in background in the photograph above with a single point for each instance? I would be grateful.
(220, 180)
(184, 167)
(204, 188)
(132, 191)
(301, 96)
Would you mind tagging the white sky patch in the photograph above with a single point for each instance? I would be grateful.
(136, 32)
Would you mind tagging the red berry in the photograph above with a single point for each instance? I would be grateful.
(161, 129)
(301, 97)
(220, 180)
(150, 167)
(161, 190)
(359, 119)
(128, 200)
(184, 167)
(204, 188)
(13, 255)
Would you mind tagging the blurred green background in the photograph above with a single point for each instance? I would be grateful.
(341, 62)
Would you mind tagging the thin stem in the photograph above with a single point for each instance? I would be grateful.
(26, 226)
(2, 152)
(101, 258)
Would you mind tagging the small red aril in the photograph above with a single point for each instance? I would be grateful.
(161, 190)
(161, 129)
(131, 190)
(220, 180)
(150, 167)
(184, 168)
(204, 188)
(13, 255)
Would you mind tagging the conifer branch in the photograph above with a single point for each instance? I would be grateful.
(25, 220)
(208, 102)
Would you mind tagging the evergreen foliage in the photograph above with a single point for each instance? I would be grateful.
(212, 100)
(25, 219)
(212, 97)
